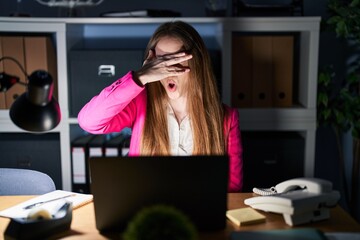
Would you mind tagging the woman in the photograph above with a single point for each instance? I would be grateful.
(175, 88)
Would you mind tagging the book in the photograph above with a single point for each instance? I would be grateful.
(46, 201)
(245, 216)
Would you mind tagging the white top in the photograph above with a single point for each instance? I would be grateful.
(181, 139)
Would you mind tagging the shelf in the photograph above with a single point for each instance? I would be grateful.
(308, 29)
(270, 119)
(114, 33)
(278, 119)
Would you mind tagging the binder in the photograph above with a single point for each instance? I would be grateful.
(2, 93)
(125, 146)
(2, 100)
(1, 55)
(241, 96)
(80, 167)
(96, 146)
(13, 46)
(283, 58)
(114, 146)
(40, 54)
(14, 92)
(262, 71)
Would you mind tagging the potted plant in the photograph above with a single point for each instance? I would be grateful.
(158, 222)
(338, 104)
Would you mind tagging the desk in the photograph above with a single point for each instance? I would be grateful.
(83, 222)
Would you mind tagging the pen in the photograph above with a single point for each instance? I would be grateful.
(51, 200)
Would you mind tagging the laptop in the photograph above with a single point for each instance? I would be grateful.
(195, 185)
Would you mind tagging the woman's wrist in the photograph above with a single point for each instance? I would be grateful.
(137, 80)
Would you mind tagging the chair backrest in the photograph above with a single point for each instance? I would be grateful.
(24, 182)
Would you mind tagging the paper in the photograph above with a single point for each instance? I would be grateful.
(20, 211)
(245, 216)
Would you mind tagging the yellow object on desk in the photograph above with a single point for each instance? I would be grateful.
(245, 216)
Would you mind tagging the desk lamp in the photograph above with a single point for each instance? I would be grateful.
(36, 110)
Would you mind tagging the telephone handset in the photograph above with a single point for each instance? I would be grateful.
(300, 200)
(314, 185)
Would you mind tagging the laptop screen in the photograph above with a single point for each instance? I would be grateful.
(195, 185)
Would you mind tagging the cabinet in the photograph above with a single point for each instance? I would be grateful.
(133, 33)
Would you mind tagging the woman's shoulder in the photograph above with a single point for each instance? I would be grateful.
(231, 114)
(230, 110)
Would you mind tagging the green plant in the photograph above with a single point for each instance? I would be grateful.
(160, 222)
(339, 108)
(338, 104)
(345, 18)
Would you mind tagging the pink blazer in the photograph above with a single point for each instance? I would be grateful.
(123, 104)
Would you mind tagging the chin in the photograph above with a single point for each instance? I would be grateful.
(173, 95)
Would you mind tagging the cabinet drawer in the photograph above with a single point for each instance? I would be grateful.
(271, 157)
(93, 70)
(39, 152)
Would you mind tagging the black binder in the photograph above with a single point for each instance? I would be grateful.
(79, 164)
(116, 145)
(96, 146)
(125, 146)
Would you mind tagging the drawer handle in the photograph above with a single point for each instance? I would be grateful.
(106, 70)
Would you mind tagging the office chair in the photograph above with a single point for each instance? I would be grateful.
(24, 182)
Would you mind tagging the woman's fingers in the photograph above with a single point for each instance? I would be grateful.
(177, 69)
(170, 60)
(157, 68)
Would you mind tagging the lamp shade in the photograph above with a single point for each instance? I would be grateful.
(36, 110)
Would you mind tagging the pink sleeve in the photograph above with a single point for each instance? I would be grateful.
(235, 151)
(113, 109)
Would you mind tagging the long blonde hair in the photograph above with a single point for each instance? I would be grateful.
(204, 107)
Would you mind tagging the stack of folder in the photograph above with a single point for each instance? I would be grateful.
(30, 53)
(84, 147)
(262, 71)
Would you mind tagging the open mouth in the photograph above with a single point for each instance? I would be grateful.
(171, 86)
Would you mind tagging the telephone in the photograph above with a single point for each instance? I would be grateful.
(300, 200)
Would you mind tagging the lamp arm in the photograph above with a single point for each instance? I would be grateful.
(19, 65)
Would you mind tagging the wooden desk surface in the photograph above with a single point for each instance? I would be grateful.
(83, 222)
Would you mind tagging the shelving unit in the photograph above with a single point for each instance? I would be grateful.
(298, 118)
(58, 32)
(100, 33)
